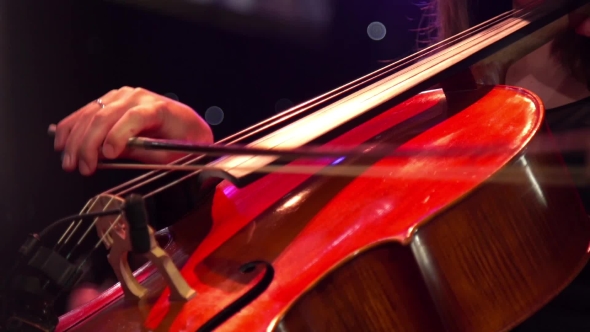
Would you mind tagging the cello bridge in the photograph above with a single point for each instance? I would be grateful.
(114, 232)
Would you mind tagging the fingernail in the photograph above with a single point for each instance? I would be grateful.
(65, 160)
(84, 169)
(108, 151)
(51, 129)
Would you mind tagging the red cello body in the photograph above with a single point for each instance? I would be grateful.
(441, 243)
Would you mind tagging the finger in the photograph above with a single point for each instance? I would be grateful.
(132, 123)
(584, 28)
(82, 121)
(70, 152)
(63, 130)
(65, 126)
(98, 127)
(72, 147)
(51, 130)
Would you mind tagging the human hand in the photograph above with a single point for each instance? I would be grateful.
(102, 128)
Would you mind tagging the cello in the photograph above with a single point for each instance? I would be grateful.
(412, 240)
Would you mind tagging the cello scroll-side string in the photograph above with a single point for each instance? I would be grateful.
(90, 227)
(549, 175)
(564, 142)
(67, 235)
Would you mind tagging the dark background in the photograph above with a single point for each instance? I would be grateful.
(56, 56)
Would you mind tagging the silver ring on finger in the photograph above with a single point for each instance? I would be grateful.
(99, 102)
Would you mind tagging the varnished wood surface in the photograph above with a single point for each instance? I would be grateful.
(487, 263)
(468, 254)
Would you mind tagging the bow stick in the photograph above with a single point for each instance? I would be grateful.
(565, 142)
(294, 153)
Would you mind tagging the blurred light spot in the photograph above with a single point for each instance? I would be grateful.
(283, 104)
(338, 161)
(172, 95)
(214, 115)
(376, 31)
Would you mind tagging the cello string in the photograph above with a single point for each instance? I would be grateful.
(507, 174)
(102, 239)
(90, 227)
(78, 225)
(58, 244)
(570, 141)
(320, 151)
(67, 234)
